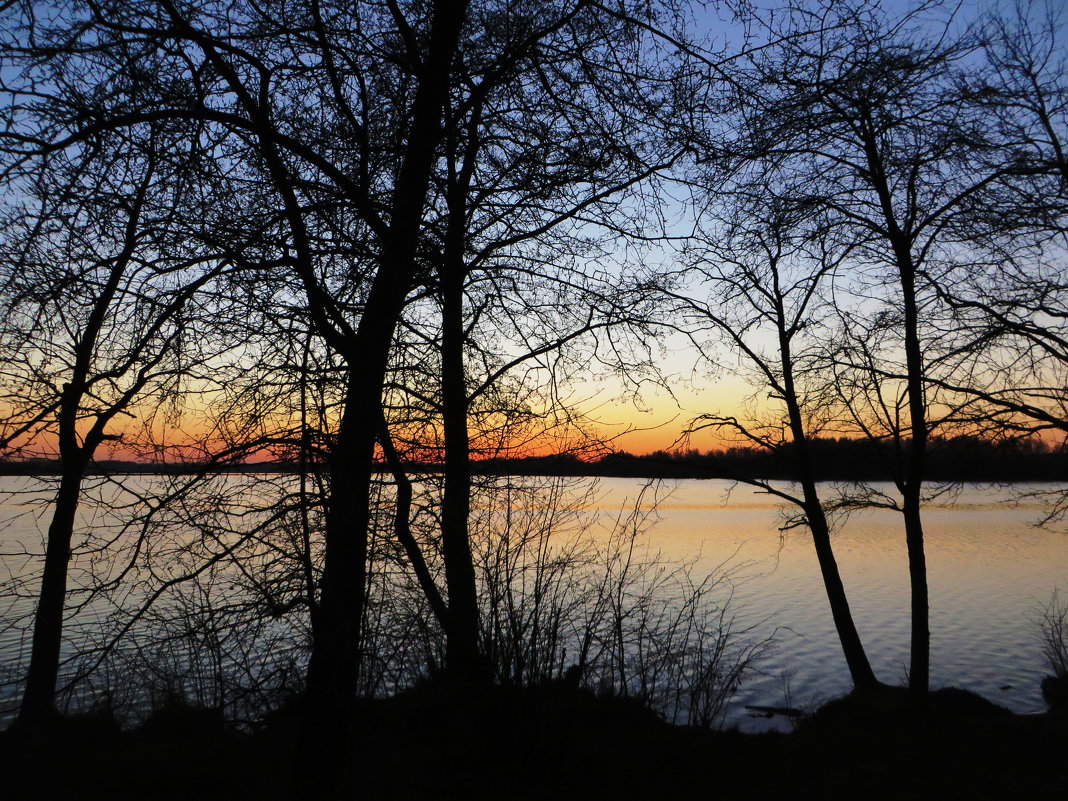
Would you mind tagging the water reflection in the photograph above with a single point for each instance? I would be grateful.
(990, 570)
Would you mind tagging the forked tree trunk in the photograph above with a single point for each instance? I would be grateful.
(333, 671)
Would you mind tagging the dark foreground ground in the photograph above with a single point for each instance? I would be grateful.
(557, 744)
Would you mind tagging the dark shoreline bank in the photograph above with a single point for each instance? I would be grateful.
(549, 742)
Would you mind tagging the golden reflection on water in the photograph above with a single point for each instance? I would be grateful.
(990, 573)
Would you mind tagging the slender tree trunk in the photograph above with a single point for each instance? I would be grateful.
(860, 670)
(920, 664)
(462, 649)
(919, 669)
(911, 483)
(38, 702)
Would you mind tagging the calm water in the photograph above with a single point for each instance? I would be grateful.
(990, 570)
(991, 573)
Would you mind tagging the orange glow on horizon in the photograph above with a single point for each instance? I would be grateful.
(610, 426)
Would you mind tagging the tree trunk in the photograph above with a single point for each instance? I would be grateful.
(333, 670)
(38, 702)
(462, 650)
(860, 670)
(919, 669)
(911, 482)
(333, 667)
(920, 665)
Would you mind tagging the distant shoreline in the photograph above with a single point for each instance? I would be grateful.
(961, 460)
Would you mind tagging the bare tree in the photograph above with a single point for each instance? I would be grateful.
(529, 156)
(335, 114)
(1017, 297)
(882, 123)
(766, 269)
(245, 82)
(102, 300)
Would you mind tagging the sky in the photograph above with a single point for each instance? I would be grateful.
(659, 416)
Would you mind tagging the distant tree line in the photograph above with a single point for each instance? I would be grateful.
(962, 458)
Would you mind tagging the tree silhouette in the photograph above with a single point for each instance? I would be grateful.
(881, 123)
(529, 155)
(101, 295)
(348, 193)
(766, 268)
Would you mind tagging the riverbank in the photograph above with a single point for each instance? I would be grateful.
(559, 744)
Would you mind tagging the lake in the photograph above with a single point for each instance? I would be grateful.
(991, 573)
